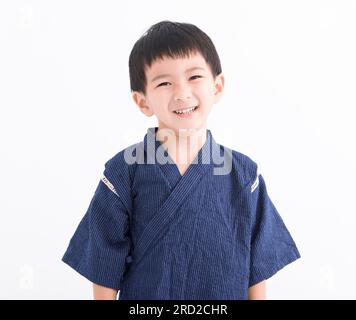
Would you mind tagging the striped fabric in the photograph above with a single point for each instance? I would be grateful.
(154, 234)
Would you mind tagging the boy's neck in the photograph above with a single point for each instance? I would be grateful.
(182, 146)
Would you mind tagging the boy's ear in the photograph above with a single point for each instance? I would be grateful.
(140, 100)
(219, 87)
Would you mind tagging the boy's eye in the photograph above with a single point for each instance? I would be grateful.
(163, 84)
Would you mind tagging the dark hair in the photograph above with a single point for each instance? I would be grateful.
(169, 39)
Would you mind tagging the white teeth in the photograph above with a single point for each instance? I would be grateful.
(185, 110)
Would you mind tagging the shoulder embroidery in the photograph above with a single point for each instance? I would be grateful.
(256, 182)
(109, 184)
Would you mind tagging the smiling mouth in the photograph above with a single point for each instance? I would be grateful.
(185, 111)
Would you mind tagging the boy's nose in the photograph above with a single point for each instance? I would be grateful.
(182, 92)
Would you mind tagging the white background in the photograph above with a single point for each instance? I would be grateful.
(66, 108)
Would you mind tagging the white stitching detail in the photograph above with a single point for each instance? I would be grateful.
(256, 182)
(109, 184)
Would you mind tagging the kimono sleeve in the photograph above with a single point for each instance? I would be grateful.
(101, 242)
(272, 246)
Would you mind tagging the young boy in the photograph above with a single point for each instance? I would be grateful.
(178, 216)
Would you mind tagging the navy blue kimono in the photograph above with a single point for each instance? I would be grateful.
(154, 234)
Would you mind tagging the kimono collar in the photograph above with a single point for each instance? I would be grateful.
(155, 152)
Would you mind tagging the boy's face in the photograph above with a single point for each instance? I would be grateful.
(180, 84)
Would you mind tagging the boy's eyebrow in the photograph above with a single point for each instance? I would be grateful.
(167, 75)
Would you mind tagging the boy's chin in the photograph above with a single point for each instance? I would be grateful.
(185, 127)
(189, 128)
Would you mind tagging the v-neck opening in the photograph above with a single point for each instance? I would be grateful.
(168, 167)
(170, 159)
